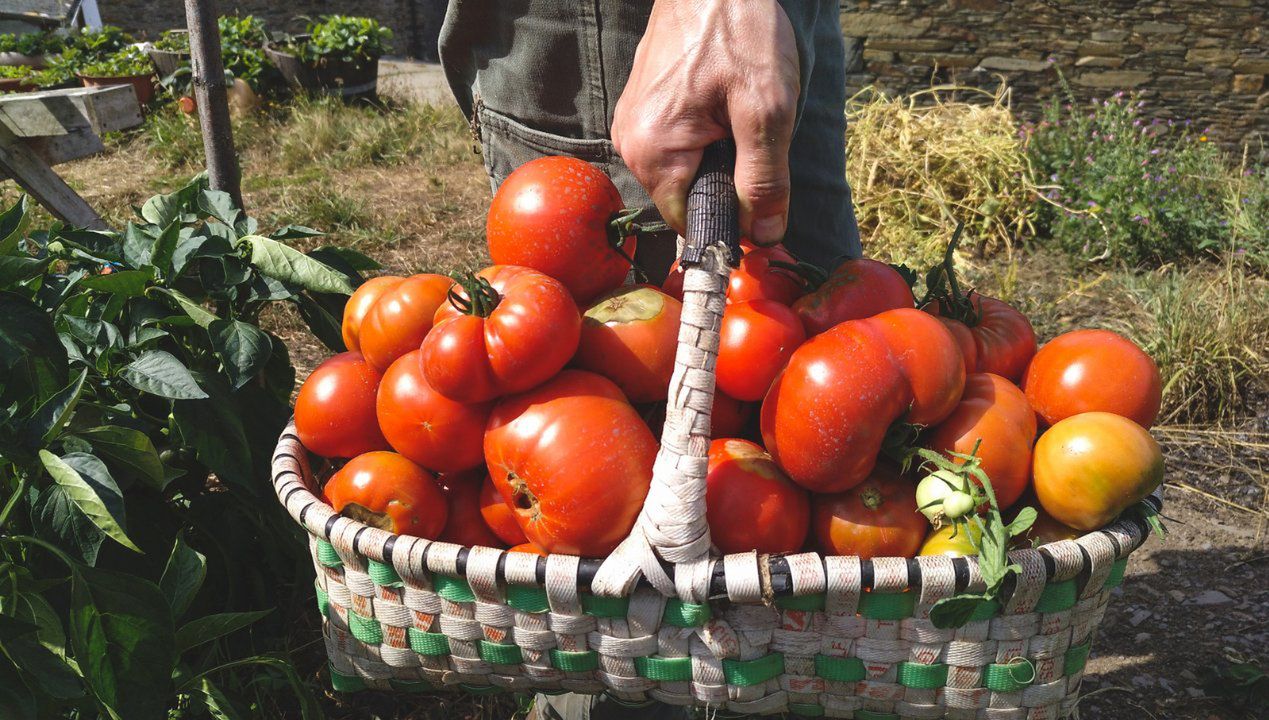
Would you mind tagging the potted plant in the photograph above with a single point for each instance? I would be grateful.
(339, 55)
(170, 51)
(17, 78)
(29, 49)
(129, 66)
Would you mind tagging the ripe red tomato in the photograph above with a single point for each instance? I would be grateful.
(335, 408)
(858, 288)
(552, 214)
(755, 278)
(827, 413)
(401, 318)
(528, 548)
(360, 303)
(1090, 370)
(528, 334)
(499, 515)
(388, 491)
(465, 525)
(729, 416)
(877, 518)
(574, 459)
(755, 341)
(630, 336)
(1093, 466)
(965, 339)
(440, 434)
(1004, 340)
(750, 503)
(996, 412)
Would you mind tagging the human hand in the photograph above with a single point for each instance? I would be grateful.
(706, 70)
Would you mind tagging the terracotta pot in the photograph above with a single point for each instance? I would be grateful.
(142, 85)
(16, 85)
(326, 77)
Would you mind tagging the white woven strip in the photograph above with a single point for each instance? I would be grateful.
(482, 574)
(843, 585)
(1029, 581)
(561, 584)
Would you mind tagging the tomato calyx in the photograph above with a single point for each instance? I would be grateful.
(478, 298)
(363, 514)
(871, 498)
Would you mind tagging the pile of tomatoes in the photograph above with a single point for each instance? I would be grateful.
(520, 406)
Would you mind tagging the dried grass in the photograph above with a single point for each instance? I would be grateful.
(919, 163)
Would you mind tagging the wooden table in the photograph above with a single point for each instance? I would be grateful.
(41, 129)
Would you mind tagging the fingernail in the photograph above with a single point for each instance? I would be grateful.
(768, 229)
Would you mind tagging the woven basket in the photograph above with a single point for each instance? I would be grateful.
(663, 619)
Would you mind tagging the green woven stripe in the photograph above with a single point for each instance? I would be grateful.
(1056, 597)
(383, 575)
(454, 589)
(886, 606)
(801, 602)
(500, 654)
(681, 614)
(916, 675)
(1076, 656)
(323, 603)
(575, 660)
(605, 607)
(839, 669)
(1008, 677)
(985, 611)
(482, 689)
(365, 629)
(345, 683)
(326, 554)
(427, 643)
(806, 709)
(665, 669)
(874, 715)
(753, 672)
(415, 686)
(1116, 577)
(527, 599)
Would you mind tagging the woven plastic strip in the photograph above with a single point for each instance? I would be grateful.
(326, 554)
(365, 629)
(1057, 596)
(1076, 657)
(340, 682)
(839, 669)
(887, 606)
(664, 669)
(605, 607)
(806, 709)
(527, 599)
(575, 660)
(916, 675)
(384, 575)
(1116, 577)
(454, 589)
(500, 654)
(874, 715)
(427, 643)
(753, 672)
(1008, 677)
(801, 602)
(681, 614)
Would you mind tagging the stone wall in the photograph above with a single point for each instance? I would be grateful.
(1204, 60)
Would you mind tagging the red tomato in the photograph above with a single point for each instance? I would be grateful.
(574, 459)
(388, 491)
(996, 412)
(1094, 370)
(877, 518)
(360, 303)
(750, 503)
(440, 434)
(552, 214)
(499, 515)
(335, 408)
(729, 417)
(755, 341)
(401, 318)
(465, 525)
(755, 278)
(827, 413)
(523, 327)
(965, 339)
(528, 548)
(1004, 340)
(858, 288)
(630, 336)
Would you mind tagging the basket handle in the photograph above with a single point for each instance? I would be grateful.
(671, 528)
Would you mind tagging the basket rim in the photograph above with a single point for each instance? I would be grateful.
(292, 475)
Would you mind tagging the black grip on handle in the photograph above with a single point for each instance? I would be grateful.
(713, 212)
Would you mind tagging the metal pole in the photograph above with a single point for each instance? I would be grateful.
(209, 93)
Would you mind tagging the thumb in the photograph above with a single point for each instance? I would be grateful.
(762, 138)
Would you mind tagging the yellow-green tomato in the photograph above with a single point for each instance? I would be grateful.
(951, 541)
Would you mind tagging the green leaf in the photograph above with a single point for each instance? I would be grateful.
(955, 611)
(57, 520)
(16, 701)
(163, 210)
(212, 427)
(49, 673)
(138, 244)
(187, 248)
(122, 632)
(325, 326)
(295, 232)
(158, 372)
(165, 248)
(29, 347)
(196, 312)
(130, 450)
(31, 607)
(85, 479)
(13, 224)
(242, 347)
(1022, 522)
(129, 283)
(288, 264)
(217, 704)
(353, 259)
(219, 205)
(206, 629)
(182, 576)
(17, 268)
(53, 414)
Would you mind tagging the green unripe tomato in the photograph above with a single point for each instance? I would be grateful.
(941, 496)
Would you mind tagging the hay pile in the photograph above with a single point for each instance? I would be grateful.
(919, 163)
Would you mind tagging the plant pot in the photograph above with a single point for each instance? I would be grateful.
(16, 85)
(13, 58)
(168, 61)
(326, 77)
(142, 85)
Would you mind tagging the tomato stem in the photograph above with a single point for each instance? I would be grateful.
(623, 225)
(942, 287)
(480, 300)
(812, 275)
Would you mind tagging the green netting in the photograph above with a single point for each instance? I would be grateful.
(801, 602)
(916, 675)
(454, 589)
(345, 683)
(574, 660)
(527, 599)
(365, 629)
(1116, 577)
(874, 715)
(753, 672)
(839, 669)
(681, 614)
(664, 669)
(806, 709)
(427, 643)
(326, 554)
(1075, 658)
(482, 689)
(886, 606)
(1008, 677)
(605, 607)
(383, 575)
(985, 611)
(412, 686)
(1057, 596)
(500, 654)
(323, 603)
